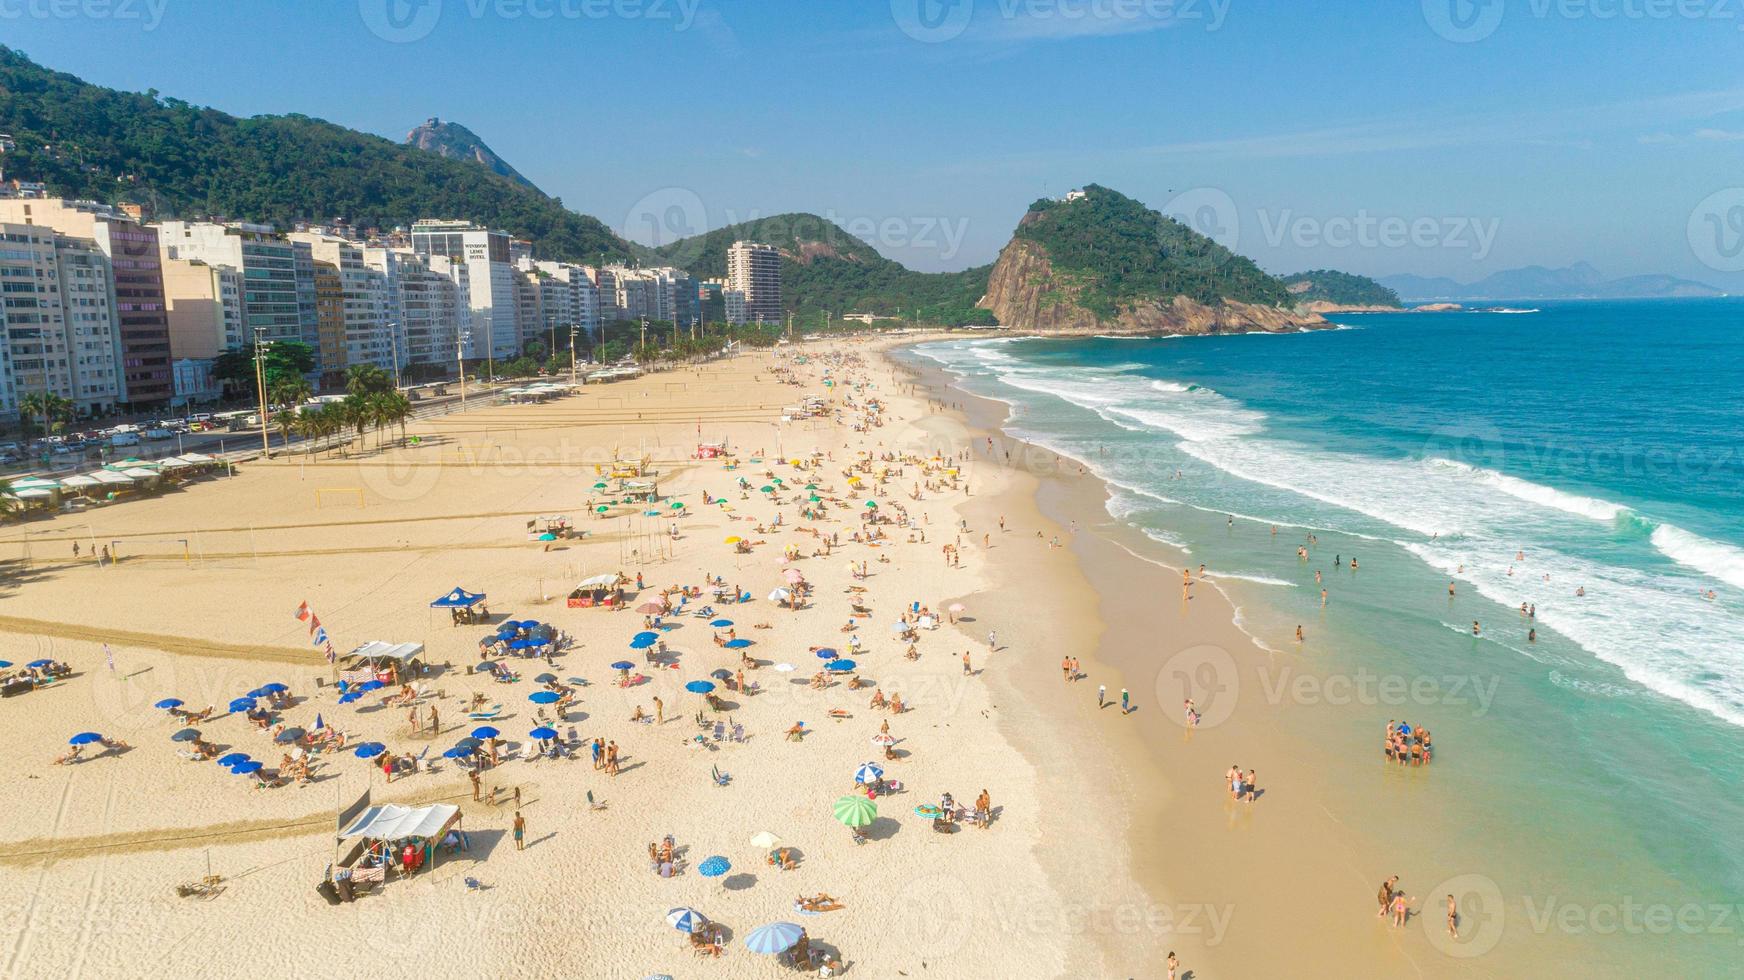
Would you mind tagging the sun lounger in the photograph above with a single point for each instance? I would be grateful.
(487, 714)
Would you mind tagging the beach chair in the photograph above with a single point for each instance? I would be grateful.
(720, 778)
(487, 714)
(720, 730)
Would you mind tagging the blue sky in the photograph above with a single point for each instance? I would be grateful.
(1435, 137)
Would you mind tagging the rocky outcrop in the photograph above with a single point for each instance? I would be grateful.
(1025, 294)
(456, 142)
(1321, 306)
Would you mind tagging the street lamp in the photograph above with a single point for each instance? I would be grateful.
(260, 346)
(460, 341)
(394, 345)
(574, 332)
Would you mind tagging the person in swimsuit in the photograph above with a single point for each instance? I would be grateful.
(1386, 896)
(1452, 918)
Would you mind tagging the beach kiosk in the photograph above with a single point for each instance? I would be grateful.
(393, 840)
(711, 450)
(390, 663)
(598, 592)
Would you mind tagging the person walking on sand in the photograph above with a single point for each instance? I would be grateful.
(1101, 695)
(520, 831)
(1125, 702)
(1386, 896)
(992, 640)
(967, 670)
(1452, 918)
(1172, 963)
(473, 777)
(1401, 909)
(659, 711)
(1252, 788)
(435, 722)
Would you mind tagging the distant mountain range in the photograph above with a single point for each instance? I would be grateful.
(1578, 281)
(456, 142)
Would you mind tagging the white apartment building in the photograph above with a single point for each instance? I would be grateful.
(755, 270)
(734, 300)
(495, 328)
(426, 306)
(57, 308)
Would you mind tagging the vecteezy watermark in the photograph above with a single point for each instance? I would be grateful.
(937, 21)
(1716, 230)
(406, 21)
(1364, 230)
(667, 217)
(1482, 914)
(1469, 21)
(1210, 678)
(147, 13)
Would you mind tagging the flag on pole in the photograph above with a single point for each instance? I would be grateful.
(303, 610)
(320, 637)
(314, 624)
(331, 656)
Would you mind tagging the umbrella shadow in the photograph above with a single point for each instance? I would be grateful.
(739, 882)
(883, 828)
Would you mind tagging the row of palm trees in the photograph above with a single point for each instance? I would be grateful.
(372, 402)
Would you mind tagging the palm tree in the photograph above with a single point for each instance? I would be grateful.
(33, 405)
(367, 379)
(290, 392)
(285, 420)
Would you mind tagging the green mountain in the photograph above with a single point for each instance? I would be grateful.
(1339, 289)
(1103, 262)
(824, 268)
(86, 141)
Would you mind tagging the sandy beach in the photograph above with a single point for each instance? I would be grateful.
(200, 607)
(1114, 840)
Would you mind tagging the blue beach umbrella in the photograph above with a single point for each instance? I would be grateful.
(623, 665)
(776, 937)
(646, 636)
(168, 703)
(248, 768)
(44, 662)
(369, 750)
(826, 653)
(84, 738)
(257, 693)
(714, 867)
(274, 688)
(289, 735)
(840, 665)
(686, 920)
(520, 644)
(644, 641)
(738, 644)
(469, 743)
(543, 697)
(869, 772)
(458, 752)
(699, 687)
(185, 735)
(234, 758)
(5, 664)
(529, 624)
(371, 685)
(543, 732)
(545, 678)
(351, 696)
(721, 624)
(242, 704)
(485, 731)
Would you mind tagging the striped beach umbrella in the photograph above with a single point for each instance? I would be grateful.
(869, 772)
(776, 937)
(686, 919)
(855, 811)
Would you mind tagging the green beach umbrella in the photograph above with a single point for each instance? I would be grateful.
(601, 508)
(855, 811)
(778, 480)
(599, 486)
(816, 499)
(765, 489)
(872, 504)
(811, 486)
(678, 505)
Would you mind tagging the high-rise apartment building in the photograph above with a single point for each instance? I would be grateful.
(495, 328)
(273, 303)
(132, 251)
(755, 270)
(57, 308)
(371, 336)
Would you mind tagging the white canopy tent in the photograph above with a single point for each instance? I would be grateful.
(388, 651)
(390, 821)
(605, 581)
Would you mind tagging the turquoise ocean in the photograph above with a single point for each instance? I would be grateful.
(1585, 459)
